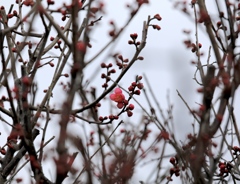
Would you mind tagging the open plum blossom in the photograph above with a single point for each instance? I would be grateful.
(118, 97)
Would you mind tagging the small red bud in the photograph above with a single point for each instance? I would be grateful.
(112, 33)
(10, 15)
(140, 85)
(66, 75)
(129, 113)
(111, 117)
(15, 13)
(200, 90)
(103, 75)
(172, 160)
(120, 57)
(134, 84)
(140, 77)
(103, 65)
(14, 49)
(137, 92)
(81, 46)
(130, 88)
(30, 45)
(158, 17)
(50, 2)
(140, 58)
(130, 42)
(51, 64)
(105, 85)
(155, 26)
(64, 18)
(131, 107)
(112, 71)
(134, 36)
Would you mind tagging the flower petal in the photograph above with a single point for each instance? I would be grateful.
(119, 97)
(112, 97)
(120, 105)
(118, 90)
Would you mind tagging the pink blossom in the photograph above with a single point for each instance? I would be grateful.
(118, 97)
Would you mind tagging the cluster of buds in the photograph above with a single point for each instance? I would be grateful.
(64, 13)
(192, 141)
(163, 135)
(122, 63)
(112, 33)
(129, 110)
(111, 117)
(175, 170)
(122, 102)
(59, 42)
(156, 26)
(134, 40)
(195, 48)
(136, 87)
(108, 73)
(119, 97)
(236, 150)
(224, 168)
(11, 15)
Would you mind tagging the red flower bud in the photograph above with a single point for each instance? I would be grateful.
(134, 36)
(155, 26)
(129, 113)
(10, 15)
(158, 17)
(131, 107)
